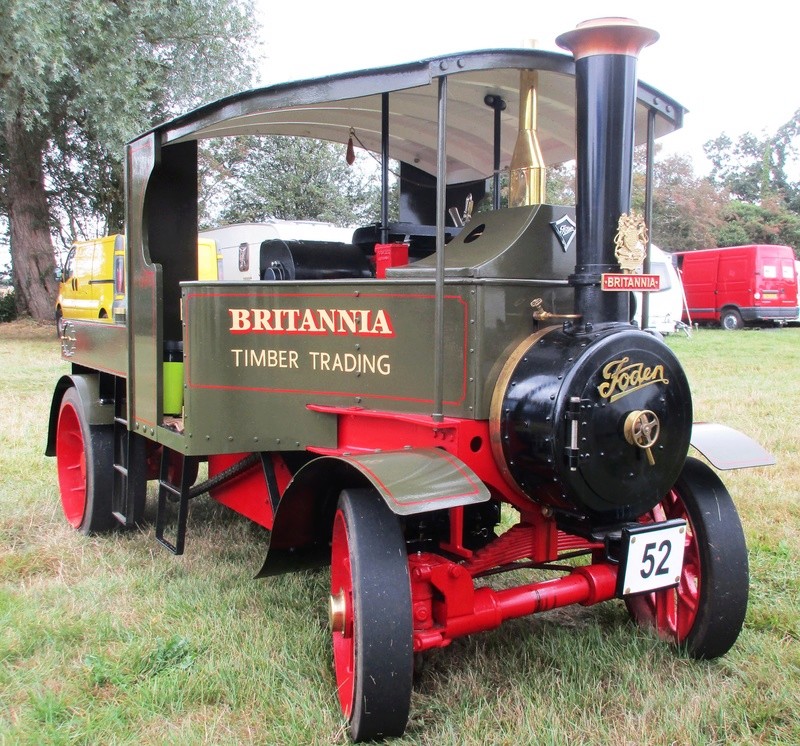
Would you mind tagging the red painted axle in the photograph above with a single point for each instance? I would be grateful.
(447, 605)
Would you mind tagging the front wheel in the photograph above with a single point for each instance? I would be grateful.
(706, 611)
(85, 463)
(370, 615)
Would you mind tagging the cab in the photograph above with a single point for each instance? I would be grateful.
(86, 281)
(92, 280)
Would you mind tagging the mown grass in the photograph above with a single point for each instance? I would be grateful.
(111, 640)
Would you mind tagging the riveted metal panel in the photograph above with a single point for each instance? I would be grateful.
(97, 345)
(258, 354)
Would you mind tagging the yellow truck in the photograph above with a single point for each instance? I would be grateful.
(92, 280)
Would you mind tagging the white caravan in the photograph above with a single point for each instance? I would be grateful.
(666, 304)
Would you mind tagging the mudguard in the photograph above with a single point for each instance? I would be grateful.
(409, 481)
(88, 388)
(727, 448)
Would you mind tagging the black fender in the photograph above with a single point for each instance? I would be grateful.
(409, 482)
(727, 448)
(98, 411)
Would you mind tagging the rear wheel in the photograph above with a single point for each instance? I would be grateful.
(85, 462)
(370, 614)
(706, 611)
(731, 319)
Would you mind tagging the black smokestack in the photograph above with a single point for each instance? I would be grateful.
(605, 52)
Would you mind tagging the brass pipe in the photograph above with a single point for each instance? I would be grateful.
(539, 313)
(527, 173)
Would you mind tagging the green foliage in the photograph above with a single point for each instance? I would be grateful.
(741, 167)
(746, 199)
(8, 306)
(87, 76)
(768, 222)
(757, 169)
(561, 184)
(253, 179)
(686, 209)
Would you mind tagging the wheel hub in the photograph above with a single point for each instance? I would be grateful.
(337, 612)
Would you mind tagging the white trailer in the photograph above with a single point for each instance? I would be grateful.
(666, 304)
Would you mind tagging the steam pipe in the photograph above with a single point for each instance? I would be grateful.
(605, 52)
(527, 172)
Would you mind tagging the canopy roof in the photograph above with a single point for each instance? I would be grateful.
(327, 108)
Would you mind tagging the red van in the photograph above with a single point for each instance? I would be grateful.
(739, 285)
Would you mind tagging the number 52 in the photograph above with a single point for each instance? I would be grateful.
(650, 560)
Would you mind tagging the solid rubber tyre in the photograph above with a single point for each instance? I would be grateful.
(705, 612)
(373, 656)
(731, 319)
(85, 463)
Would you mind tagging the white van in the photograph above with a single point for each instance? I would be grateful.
(666, 304)
(239, 244)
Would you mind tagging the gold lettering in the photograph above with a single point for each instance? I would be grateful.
(325, 321)
(340, 321)
(349, 362)
(261, 320)
(308, 324)
(622, 378)
(382, 324)
(345, 319)
(264, 358)
(240, 319)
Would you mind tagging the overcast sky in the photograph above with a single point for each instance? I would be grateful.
(734, 67)
(735, 70)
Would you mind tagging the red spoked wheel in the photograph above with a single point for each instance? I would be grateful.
(705, 612)
(85, 462)
(370, 615)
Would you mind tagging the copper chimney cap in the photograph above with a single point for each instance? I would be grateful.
(607, 36)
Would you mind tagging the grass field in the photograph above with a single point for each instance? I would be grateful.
(111, 640)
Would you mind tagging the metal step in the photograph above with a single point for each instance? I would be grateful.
(129, 485)
(179, 493)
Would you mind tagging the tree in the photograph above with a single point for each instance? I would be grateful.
(754, 172)
(251, 179)
(77, 80)
(561, 183)
(753, 169)
(687, 210)
(769, 222)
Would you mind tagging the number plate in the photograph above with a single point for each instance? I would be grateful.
(652, 557)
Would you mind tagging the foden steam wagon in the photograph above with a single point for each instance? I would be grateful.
(372, 404)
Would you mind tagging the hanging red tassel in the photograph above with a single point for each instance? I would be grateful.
(351, 153)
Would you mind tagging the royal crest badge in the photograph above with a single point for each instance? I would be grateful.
(631, 241)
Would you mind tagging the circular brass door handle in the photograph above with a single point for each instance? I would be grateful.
(641, 429)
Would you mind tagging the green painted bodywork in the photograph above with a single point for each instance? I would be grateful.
(516, 244)
(251, 387)
(257, 354)
(97, 345)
